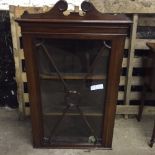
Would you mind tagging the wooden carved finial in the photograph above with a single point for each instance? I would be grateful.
(86, 6)
(62, 5)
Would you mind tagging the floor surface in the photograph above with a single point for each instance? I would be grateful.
(130, 138)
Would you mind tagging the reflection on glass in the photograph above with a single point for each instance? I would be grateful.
(73, 77)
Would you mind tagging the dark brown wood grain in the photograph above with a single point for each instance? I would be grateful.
(93, 25)
(112, 89)
(34, 93)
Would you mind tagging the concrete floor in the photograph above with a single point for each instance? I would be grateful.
(130, 138)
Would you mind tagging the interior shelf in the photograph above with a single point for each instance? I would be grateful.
(72, 76)
(73, 114)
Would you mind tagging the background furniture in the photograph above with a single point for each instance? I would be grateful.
(149, 83)
(153, 137)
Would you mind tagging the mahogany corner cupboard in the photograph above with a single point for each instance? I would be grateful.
(73, 65)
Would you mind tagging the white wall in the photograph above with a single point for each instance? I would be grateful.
(4, 4)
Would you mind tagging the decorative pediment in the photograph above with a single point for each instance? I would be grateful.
(88, 12)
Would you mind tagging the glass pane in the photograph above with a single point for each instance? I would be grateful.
(73, 78)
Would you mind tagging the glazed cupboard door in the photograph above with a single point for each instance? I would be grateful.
(73, 81)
